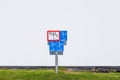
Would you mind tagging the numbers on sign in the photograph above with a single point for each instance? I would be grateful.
(53, 35)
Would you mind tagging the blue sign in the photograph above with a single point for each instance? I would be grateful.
(56, 46)
(63, 36)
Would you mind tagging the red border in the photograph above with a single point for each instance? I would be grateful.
(53, 31)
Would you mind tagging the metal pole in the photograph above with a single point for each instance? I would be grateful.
(56, 61)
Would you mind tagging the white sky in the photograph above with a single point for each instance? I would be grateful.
(93, 32)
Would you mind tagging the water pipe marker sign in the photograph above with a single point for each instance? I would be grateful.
(56, 41)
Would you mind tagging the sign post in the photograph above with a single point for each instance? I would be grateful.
(56, 62)
(56, 41)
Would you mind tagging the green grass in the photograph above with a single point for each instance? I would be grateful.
(11, 74)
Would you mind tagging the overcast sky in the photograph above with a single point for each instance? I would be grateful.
(93, 32)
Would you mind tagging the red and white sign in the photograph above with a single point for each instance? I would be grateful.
(53, 35)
